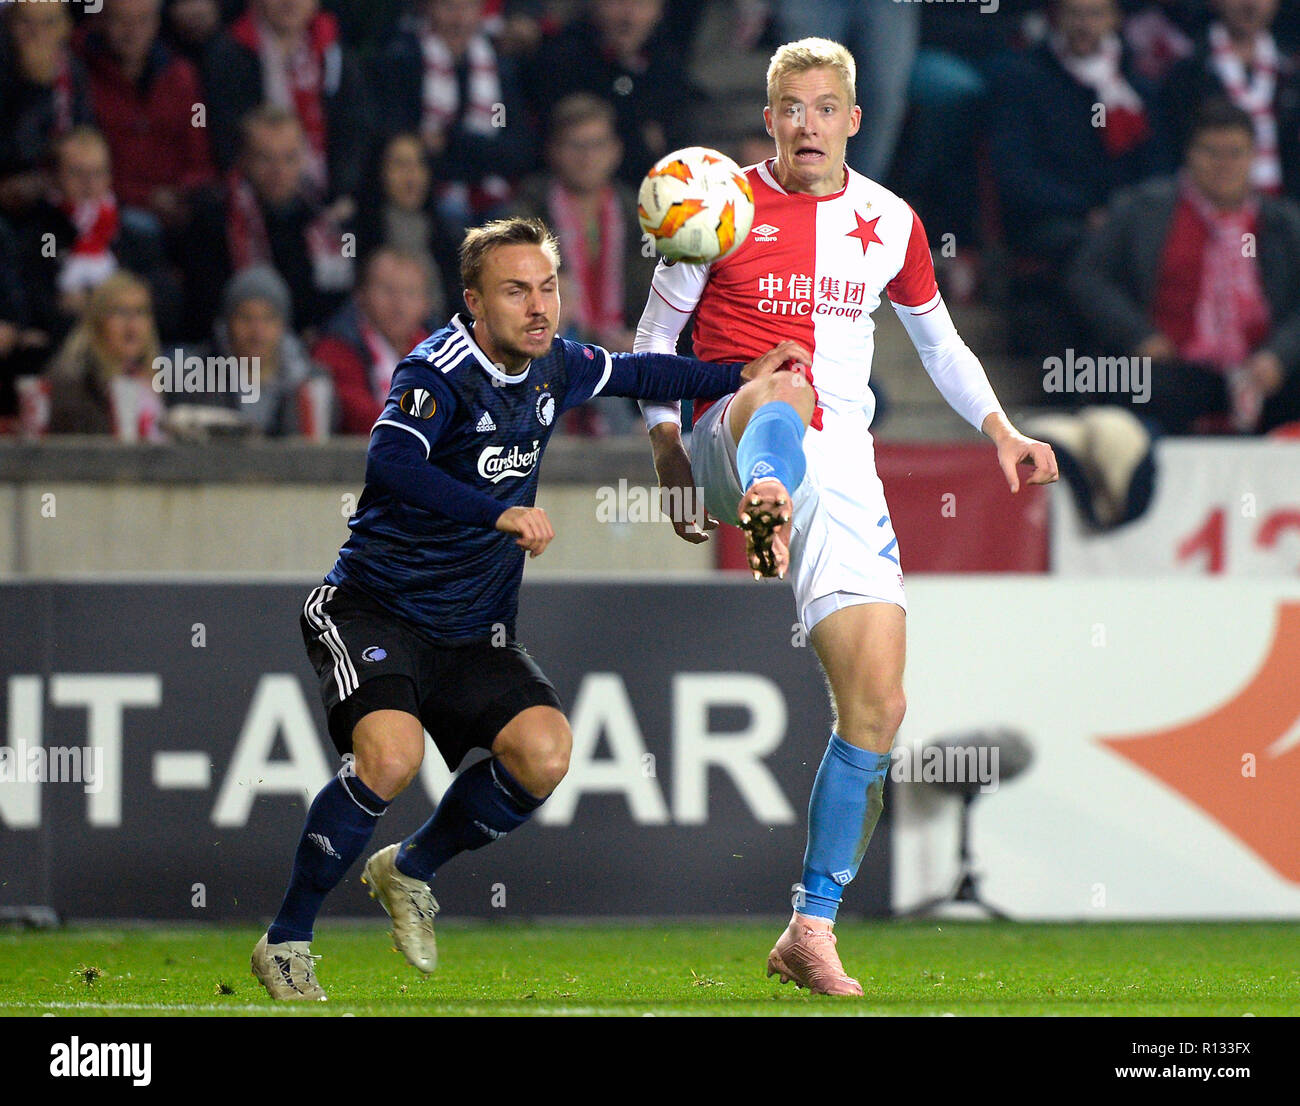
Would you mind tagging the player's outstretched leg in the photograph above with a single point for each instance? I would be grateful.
(861, 648)
(769, 417)
(483, 804)
(340, 823)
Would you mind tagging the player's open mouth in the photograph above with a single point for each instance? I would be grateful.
(807, 154)
(538, 332)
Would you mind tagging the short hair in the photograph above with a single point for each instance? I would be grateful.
(580, 108)
(480, 241)
(266, 115)
(1220, 113)
(811, 53)
(401, 254)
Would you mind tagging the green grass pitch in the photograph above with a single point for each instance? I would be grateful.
(907, 968)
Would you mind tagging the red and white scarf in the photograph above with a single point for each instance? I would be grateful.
(299, 80)
(1254, 96)
(441, 107)
(1231, 303)
(383, 360)
(598, 264)
(332, 267)
(90, 261)
(1126, 123)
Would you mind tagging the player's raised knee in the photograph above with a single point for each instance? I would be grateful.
(785, 387)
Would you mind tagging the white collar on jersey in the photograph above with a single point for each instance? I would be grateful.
(769, 178)
(458, 323)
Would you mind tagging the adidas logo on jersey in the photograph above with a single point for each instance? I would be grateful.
(765, 232)
(485, 424)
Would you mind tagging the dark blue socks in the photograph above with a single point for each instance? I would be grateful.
(341, 819)
(847, 798)
(772, 445)
(483, 803)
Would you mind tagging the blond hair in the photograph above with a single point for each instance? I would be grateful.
(481, 241)
(84, 351)
(811, 53)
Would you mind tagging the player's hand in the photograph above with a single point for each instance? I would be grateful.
(530, 525)
(787, 355)
(1015, 449)
(673, 467)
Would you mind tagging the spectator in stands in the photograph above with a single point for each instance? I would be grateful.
(101, 380)
(594, 216)
(384, 321)
(617, 51)
(1201, 273)
(78, 236)
(254, 325)
(145, 99)
(1239, 58)
(404, 215)
(1071, 124)
(273, 219)
(287, 53)
(441, 77)
(43, 95)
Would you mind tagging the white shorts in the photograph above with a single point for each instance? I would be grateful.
(842, 550)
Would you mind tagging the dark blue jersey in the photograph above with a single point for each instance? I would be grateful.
(458, 442)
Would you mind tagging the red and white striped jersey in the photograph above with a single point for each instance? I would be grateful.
(813, 269)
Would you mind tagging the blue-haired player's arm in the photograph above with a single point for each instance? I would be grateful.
(419, 407)
(663, 376)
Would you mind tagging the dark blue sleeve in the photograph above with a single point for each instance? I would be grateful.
(396, 463)
(661, 376)
(419, 408)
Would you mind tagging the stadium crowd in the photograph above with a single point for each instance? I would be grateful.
(288, 181)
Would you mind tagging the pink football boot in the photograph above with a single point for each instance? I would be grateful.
(805, 952)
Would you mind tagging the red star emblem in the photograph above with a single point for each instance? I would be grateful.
(865, 232)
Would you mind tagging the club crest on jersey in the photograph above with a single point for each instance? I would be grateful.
(546, 408)
(418, 403)
(495, 463)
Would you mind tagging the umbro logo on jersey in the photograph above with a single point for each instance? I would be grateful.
(485, 424)
(765, 232)
(418, 403)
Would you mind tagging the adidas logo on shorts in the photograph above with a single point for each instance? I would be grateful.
(485, 424)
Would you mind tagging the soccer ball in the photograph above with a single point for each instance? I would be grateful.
(696, 205)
